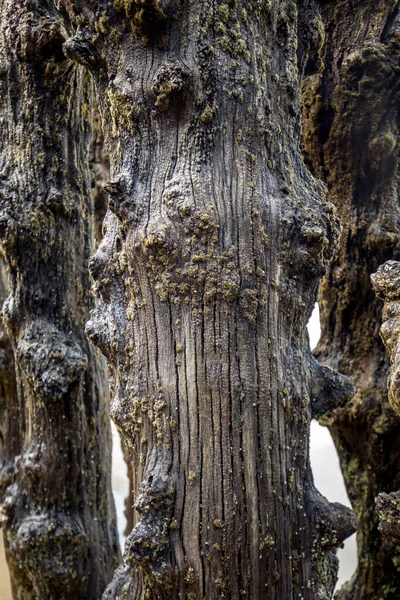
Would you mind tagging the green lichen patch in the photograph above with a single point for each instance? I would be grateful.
(193, 270)
(208, 114)
(229, 35)
(124, 112)
(250, 301)
(131, 413)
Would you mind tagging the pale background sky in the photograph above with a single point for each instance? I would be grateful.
(324, 462)
(327, 474)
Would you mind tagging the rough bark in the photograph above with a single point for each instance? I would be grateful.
(10, 438)
(130, 499)
(100, 170)
(56, 500)
(386, 286)
(351, 135)
(214, 243)
(99, 164)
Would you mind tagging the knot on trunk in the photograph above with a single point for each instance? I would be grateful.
(148, 544)
(51, 546)
(42, 530)
(107, 329)
(8, 500)
(388, 507)
(321, 238)
(108, 322)
(8, 232)
(318, 239)
(80, 49)
(120, 202)
(329, 390)
(382, 234)
(386, 281)
(386, 284)
(6, 477)
(51, 359)
(170, 80)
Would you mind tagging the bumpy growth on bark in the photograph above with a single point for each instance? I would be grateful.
(386, 283)
(214, 243)
(350, 138)
(56, 503)
(100, 171)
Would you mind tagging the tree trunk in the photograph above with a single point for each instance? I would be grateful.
(100, 170)
(386, 285)
(56, 498)
(99, 164)
(351, 134)
(10, 435)
(208, 270)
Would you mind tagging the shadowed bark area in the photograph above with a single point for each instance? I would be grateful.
(56, 502)
(10, 442)
(215, 240)
(99, 164)
(350, 137)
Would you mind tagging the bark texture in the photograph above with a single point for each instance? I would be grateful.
(215, 240)
(100, 170)
(99, 164)
(56, 502)
(10, 438)
(351, 139)
(386, 286)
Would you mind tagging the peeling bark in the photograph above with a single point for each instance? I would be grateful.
(351, 140)
(215, 240)
(56, 502)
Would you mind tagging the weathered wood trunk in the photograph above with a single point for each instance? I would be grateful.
(351, 139)
(56, 502)
(100, 172)
(386, 285)
(10, 436)
(99, 165)
(208, 270)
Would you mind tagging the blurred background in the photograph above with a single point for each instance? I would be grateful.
(325, 465)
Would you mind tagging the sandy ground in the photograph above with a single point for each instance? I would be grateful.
(325, 465)
(5, 588)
